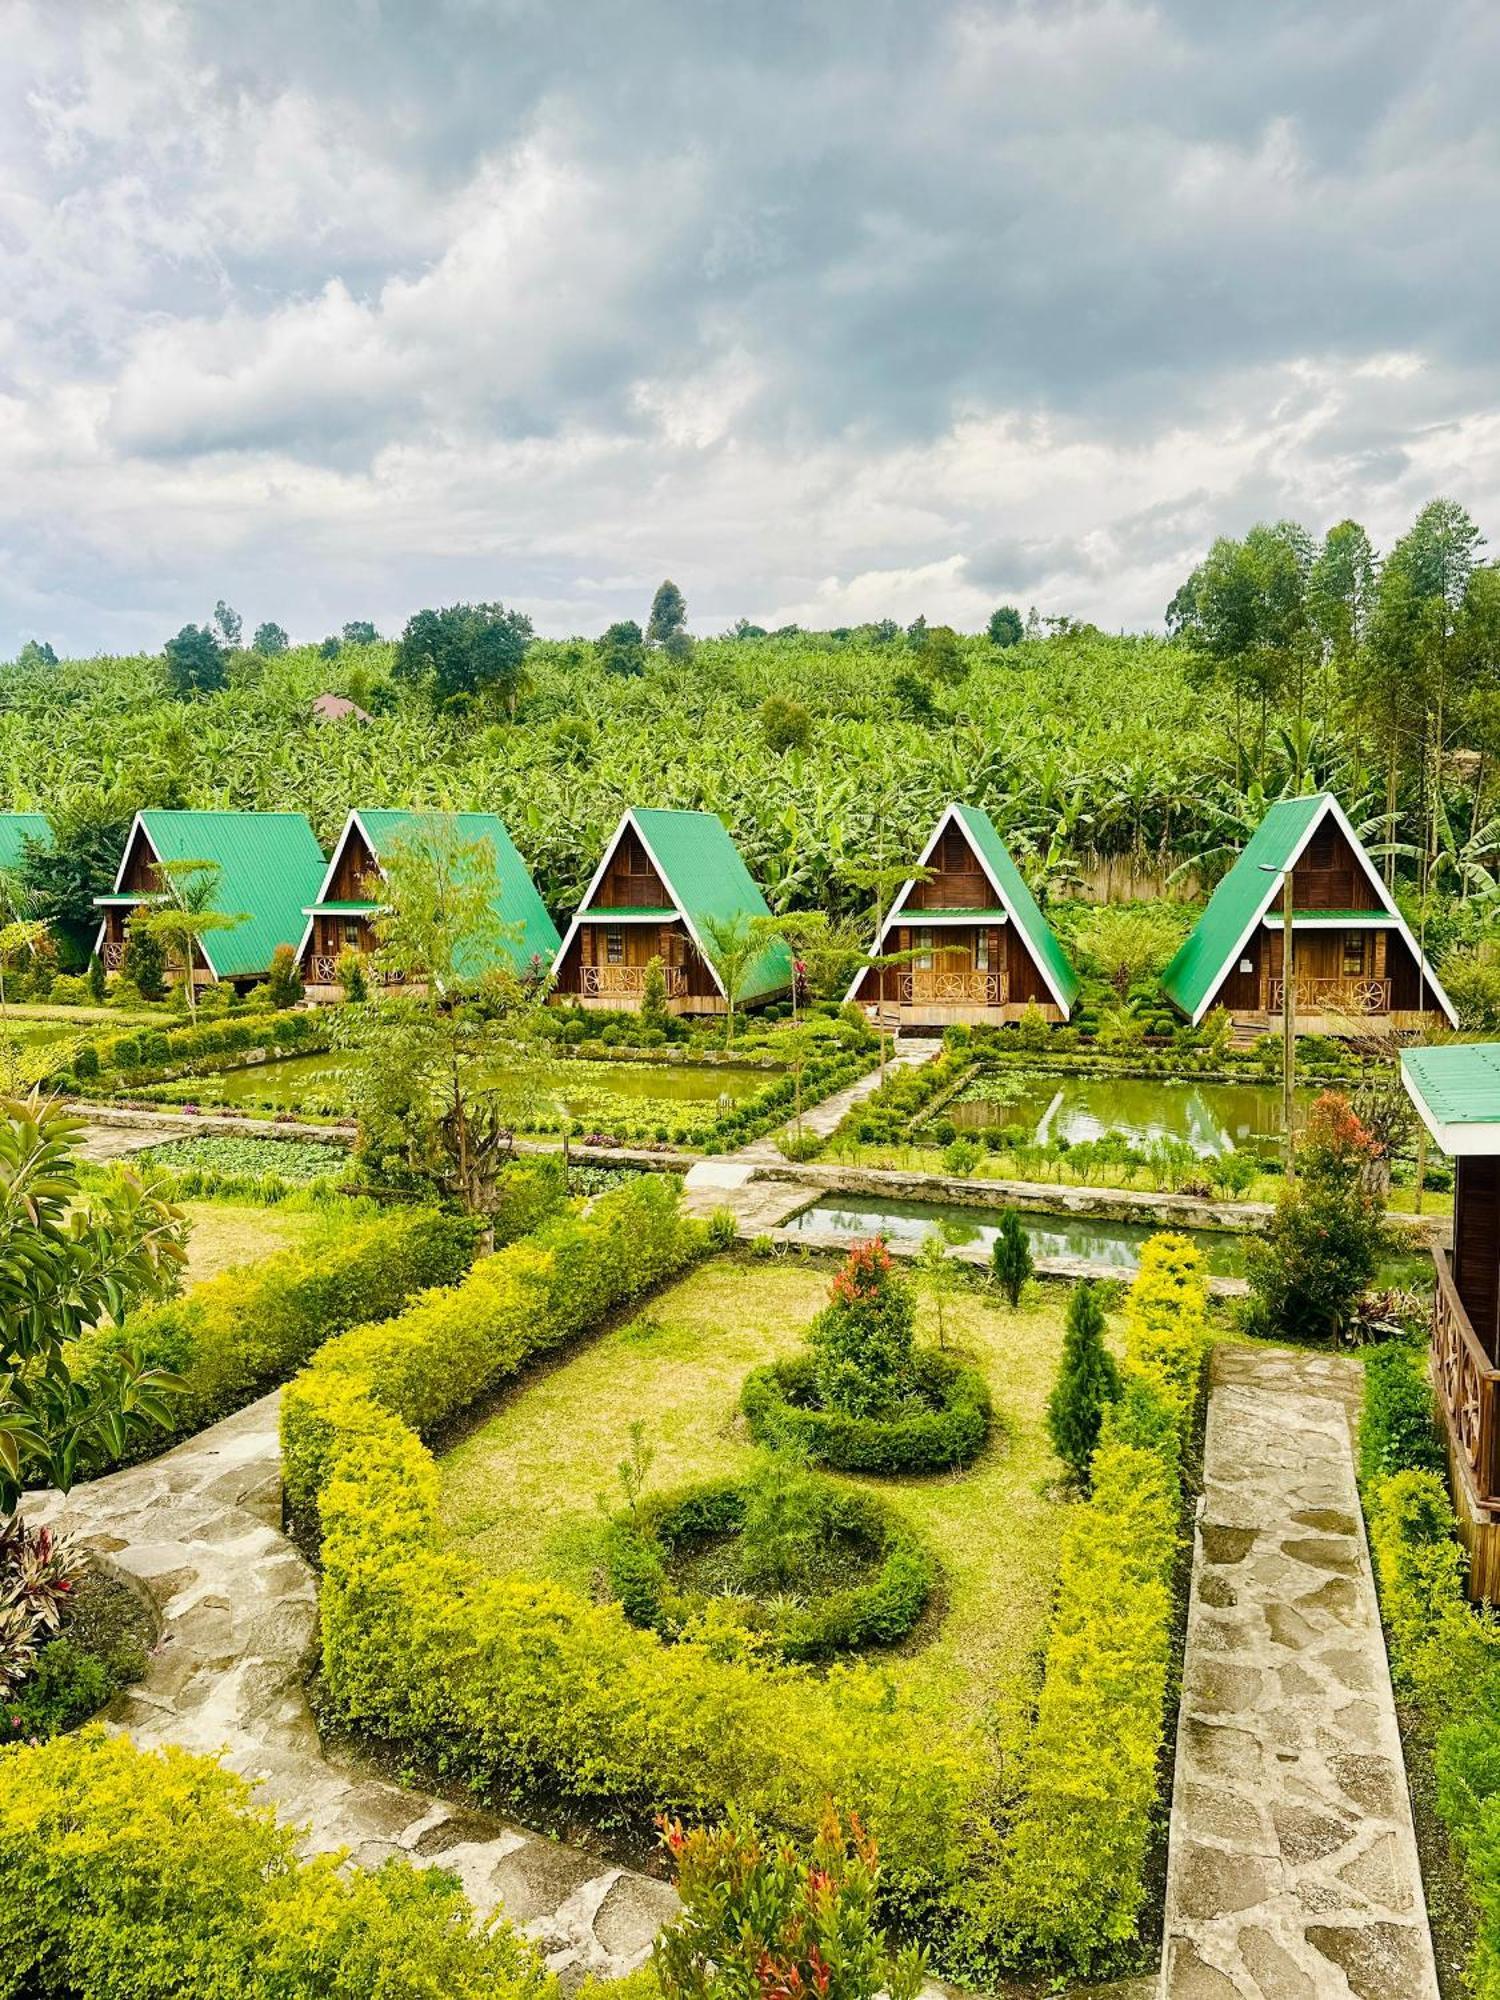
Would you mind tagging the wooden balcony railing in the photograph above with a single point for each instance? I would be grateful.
(599, 982)
(953, 989)
(1334, 996)
(1468, 1383)
(112, 954)
(322, 969)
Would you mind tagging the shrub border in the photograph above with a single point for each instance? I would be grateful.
(874, 1613)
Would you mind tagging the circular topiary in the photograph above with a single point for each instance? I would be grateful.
(942, 1421)
(676, 1558)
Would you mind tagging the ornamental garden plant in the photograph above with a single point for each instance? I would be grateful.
(863, 1396)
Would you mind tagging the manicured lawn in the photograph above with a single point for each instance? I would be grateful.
(520, 1492)
(225, 1233)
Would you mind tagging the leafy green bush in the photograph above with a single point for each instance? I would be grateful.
(126, 1874)
(238, 1333)
(779, 1588)
(1087, 1383)
(1397, 1431)
(942, 1423)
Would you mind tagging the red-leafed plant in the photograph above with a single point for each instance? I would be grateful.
(764, 1921)
(1322, 1248)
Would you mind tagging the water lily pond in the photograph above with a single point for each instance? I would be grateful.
(1115, 1247)
(1212, 1118)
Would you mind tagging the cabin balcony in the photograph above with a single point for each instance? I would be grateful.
(623, 985)
(961, 988)
(1330, 996)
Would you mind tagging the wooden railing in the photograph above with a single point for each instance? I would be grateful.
(322, 969)
(1334, 996)
(598, 982)
(112, 955)
(953, 989)
(1468, 1382)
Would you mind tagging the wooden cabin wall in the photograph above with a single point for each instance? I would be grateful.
(1329, 875)
(352, 876)
(958, 883)
(630, 882)
(1024, 981)
(140, 864)
(1476, 1245)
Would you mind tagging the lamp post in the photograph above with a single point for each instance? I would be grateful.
(1288, 1021)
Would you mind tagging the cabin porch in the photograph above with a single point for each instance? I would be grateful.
(605, 964)
(1349, 966)
(970, 969)
(116, 912)
(337, 927)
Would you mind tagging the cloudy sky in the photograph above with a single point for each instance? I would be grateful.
(833, 310)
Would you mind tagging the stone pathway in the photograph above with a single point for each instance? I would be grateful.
(199, 1530)
(1293, 1872)
(823, 1119)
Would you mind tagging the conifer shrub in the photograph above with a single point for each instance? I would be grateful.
(1087, 1383)
(1011, 1260)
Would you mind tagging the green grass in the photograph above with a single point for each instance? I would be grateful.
(223, 1233)
(520, 1492)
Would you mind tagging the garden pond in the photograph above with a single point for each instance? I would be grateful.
(1212, 1118)
(1113, 1246)
(592, 1091)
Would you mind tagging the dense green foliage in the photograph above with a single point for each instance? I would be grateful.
(125, 1874)
(790, 1537)
(1087, 1383)
(1322, 1246)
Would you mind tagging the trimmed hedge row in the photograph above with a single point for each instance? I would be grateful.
(1072, 1876)
(876, 1612)
(237, 1334)
(125, 1873)
(134, 1054)
(516, 1683)
(1444, 1652)
(947, 1427)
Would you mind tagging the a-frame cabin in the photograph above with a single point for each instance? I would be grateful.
(1353, 955)
(341, 915)
(971, 942)
(268, 866)
(664, 879)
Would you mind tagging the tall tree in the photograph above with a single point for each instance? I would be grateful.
(621, 648)
(194, 661)
(1005, 627)
(63, 875)
(270, 640)
(465, 652)
(360, 632)
(228, 623)
(668, 615)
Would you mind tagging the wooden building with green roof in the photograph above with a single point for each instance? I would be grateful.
(1354, 957)
(969, 938)
(1455, 1088)
(665, 879)
(340, 916)
(266, 865)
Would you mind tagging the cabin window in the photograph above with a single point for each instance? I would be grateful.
(982, 951)
(924, 951)
(614, 947)
(1354, 955)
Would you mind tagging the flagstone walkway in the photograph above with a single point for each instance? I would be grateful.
(1293, 1872)
(199, 1530)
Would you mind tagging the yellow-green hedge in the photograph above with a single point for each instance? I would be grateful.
(240, 1333)
(125, 1875)
(529, 1684)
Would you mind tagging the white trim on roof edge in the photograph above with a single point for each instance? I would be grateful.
(1480, 1140)
(1387, 902)
(951, 811)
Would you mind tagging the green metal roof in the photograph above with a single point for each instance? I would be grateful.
(1052, 961)
(517, 904)
(1194, 975)
(706, 876)
(1456, 1088)
(270, 865)
(15, 830)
